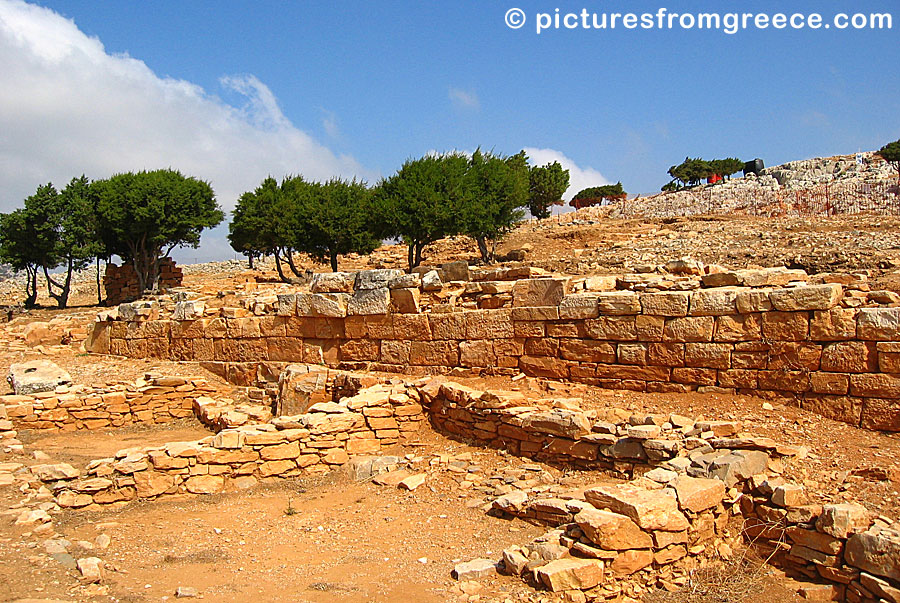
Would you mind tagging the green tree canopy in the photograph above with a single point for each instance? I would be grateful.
(422, 202)
(143, 216)
(497, 190)
(726, 167)
(546, 186)
(332, 219)
(260, 221)
(891, 153)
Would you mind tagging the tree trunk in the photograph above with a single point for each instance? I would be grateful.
(410, 256)
(250, 260)
(30, 286)
(289, 256)
(279, 269)
(334, 260)
(99, 293)
(483, 248)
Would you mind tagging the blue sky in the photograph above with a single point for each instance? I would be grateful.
(231, 91)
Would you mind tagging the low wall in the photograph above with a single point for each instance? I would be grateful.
(812, 343)
(368, 423)
(159, 400)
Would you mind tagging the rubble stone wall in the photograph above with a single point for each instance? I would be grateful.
(324, 438)
(161, 400)
(805, 343)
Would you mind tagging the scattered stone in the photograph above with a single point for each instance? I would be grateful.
(474, 569)
(91, 569)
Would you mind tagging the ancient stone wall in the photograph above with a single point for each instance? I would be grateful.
(324, 438)
(121, 282)
(157, 400)
(813, 344)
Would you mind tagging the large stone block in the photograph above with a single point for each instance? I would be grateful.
(812, 297)
(714, 302)
(368, 302)
(36, 376)
(375, 279)
(549, 368)
(738, 327)
(689, 329)
(850, 357)
(785, 326)
(571, 574)
(489, 324)
(299, 387)
(649, 509)
(836, 324)
(794, 355)
(434, 353)
(880, 414)
(322, 304)
(579, 306)
(618, 303)
(612, 531)
(477, 353)
(878, 324)
(754, 301)
(875, 385)
(614, 328)
(448, 326)
(539, 291)
(405, 301)
(708, 355)
(666, 303)
(587, 350)
(331, 282)
(876, 551)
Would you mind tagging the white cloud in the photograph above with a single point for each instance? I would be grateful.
(579, 177)
(330, 123)
(68, 107)
(464, 98)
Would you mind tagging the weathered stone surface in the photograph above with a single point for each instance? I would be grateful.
(629, 562)
(714, 302)
(666, 303)
(571, 574)
(881, 324)
(205, 484)
(299, 387)
(650, 509)
(539, 291)
(474, 569)
(376, 279)
(405, 301)
(90, 569)
(367, 302)
(812, 297)
(331, 282)
(327, 305)
(579, 306)
(618, 303)
(560, 421)
(698, 494)
(841, 520)
(789, 495)
(152, 483)
(36, 376)
(875, 551)
(431, 281)
(612, 531)
(52, 473)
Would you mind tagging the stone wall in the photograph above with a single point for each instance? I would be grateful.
(324, 438)
(813, 344)
(154, 400)
(121, 282)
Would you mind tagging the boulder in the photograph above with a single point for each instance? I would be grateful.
(649, 509)
(697, 494)
(474, 569)
(876, 551)
(843, 519)
(36, 376)
(571, 574)
(612, 531)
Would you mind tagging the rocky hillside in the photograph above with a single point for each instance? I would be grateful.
(808, 187)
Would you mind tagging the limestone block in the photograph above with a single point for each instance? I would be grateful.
(812, 297)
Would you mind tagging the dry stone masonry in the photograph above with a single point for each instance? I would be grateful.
(830, 346)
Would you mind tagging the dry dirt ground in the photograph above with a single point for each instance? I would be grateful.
(327, 538)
